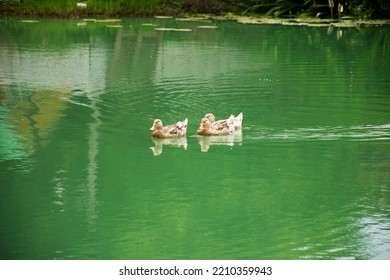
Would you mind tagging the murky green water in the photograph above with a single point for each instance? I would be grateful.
(307, 179)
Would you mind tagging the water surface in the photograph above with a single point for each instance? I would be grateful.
(81, 178)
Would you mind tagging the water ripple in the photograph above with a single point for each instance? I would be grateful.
(350, 133)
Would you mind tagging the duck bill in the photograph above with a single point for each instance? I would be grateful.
(153, 127)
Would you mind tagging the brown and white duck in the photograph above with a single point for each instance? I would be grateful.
(222, 128)
(221, 124)
(174, 130)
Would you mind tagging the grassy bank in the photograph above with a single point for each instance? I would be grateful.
(362, 9)
(72, 8)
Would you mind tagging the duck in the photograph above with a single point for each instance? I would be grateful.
(170, 131)
(223, 123)
(225, 128)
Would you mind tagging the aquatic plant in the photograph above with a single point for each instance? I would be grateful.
(331, 6)
(369, 8)
(363, 9)
(279, 8)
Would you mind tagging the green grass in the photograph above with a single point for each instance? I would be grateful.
(68, 8)
(365, 9)
(125, 7)
(42, 7)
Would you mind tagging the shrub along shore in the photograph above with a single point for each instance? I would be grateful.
(320, 9)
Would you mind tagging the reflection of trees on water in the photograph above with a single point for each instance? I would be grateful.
(50, 106)
(32, 120)
(55, 79)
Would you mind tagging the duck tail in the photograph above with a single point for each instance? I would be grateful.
(238, 120)
(230, 122)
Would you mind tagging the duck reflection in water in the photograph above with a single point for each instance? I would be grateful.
(227, 140)
(180, 142)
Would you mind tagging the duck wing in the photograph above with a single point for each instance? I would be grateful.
(219, 125)
(179, 128)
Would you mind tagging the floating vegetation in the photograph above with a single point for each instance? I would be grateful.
(110, 20)
(149, 24)
(313, 22)
(344, 24)
(173, 29)
(81, 5)
(29, 21)
(195, 19)
(317, 24)
(293, 23)
(207, 27)
(163, 17)
(107, 20)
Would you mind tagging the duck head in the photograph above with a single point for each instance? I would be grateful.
(210, 117)
(157, 124)
(205, 123)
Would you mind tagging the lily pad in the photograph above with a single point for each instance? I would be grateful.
(108, 20)
(318, 24)
(29, 21)
(344, 24)
(193, 19)
(306, 21)
(173, 29)
(207, 27)
(114, 26)
(163, 17)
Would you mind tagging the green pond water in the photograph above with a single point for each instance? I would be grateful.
(308, 177)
